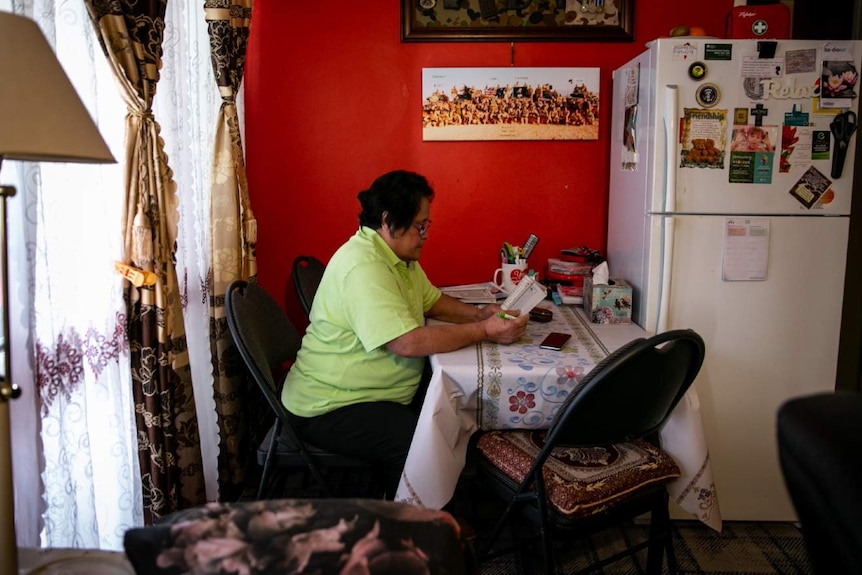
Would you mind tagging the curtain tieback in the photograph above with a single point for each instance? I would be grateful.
(145, 114)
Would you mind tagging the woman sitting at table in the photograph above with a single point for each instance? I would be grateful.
(363, 353)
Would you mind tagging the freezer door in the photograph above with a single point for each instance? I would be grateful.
(766, 341)
(745, 181)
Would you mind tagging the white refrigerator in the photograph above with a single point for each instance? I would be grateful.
(736, 232)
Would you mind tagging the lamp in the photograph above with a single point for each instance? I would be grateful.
(41, 120)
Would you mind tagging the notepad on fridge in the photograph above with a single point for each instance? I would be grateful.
(526, 296)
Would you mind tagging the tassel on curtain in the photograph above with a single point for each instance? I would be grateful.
(142, 240)
(131, 34)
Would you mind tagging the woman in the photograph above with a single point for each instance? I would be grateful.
(365, 349)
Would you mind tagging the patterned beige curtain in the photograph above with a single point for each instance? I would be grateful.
(233, 231)
(131, 33)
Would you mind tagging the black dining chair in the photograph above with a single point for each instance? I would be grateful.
(267, 340)
(307, 273)
(599, 465)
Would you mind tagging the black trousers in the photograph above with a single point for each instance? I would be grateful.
(379, 431)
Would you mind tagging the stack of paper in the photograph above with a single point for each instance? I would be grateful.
(571, 295)
(475, 293)
(526, 296)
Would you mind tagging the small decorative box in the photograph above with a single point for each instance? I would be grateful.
(608, 303)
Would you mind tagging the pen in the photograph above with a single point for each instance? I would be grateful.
(510, 256)
(504, 315)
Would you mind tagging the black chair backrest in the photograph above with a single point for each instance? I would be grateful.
(307, 273)
(263, 334)
(631, 393)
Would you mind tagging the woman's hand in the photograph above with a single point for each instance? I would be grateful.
(494, 309)
(501, 330)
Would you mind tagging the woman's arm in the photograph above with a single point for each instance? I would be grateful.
(467, 325)
(453, 310)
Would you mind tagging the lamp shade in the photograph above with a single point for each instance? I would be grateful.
(41, 120)
(41, 117)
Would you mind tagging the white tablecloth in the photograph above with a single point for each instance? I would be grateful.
(490, 386)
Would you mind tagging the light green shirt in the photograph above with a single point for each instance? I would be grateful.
(367, 298)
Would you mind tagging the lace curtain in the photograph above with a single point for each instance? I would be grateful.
(65, 223)
(68, 312)
(186, 106)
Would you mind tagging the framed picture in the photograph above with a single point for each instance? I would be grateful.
(517, 20)
(510, 104)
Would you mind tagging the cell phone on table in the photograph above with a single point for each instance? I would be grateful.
(555, 340)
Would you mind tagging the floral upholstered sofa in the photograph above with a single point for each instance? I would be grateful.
(293, 536)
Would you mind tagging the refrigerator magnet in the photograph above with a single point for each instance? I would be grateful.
(697, 71)
(707, 95)
(810, 187)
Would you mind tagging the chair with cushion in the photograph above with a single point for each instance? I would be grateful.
(307, 272)
(820, 450)
(599, 464)
(267, 340)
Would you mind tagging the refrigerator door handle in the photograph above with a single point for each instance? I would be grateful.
(671, 129)
(671, 126)
(666, 262)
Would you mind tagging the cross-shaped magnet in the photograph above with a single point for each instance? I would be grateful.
(758, 112)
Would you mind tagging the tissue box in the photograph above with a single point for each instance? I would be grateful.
(608, 303)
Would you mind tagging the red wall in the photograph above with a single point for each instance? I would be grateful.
(333, 99)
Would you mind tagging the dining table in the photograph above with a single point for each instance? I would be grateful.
(490, 386)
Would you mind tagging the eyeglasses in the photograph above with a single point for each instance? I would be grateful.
(422, 227)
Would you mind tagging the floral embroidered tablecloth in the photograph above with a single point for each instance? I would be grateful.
(523, 386)
(490, 386)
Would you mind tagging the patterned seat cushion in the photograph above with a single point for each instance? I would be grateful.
(580, 481)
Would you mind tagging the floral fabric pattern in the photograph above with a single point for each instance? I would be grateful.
(547, 376)
(346, 536)
(233, 231)
(131, 35)
(580, 481)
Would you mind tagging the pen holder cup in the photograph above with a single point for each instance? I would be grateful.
(509, 275)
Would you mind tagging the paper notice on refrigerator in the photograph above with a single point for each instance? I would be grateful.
(752, 153)
(797, 147)
(746, 249)
(839, 76)
(703, 138)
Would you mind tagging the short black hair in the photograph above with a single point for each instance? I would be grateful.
(399, 193)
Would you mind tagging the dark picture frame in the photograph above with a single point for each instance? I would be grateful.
(516, 20)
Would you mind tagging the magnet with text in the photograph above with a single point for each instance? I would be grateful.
(758, 112)
(795, 117)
